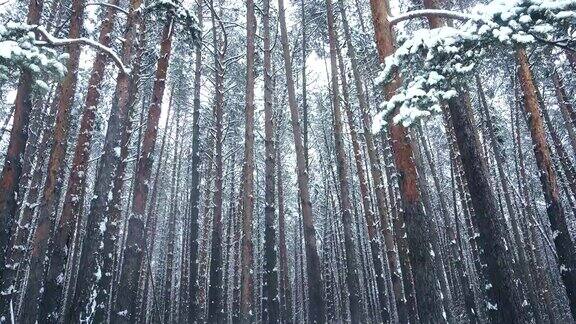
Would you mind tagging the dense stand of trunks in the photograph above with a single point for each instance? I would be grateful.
(193, 204)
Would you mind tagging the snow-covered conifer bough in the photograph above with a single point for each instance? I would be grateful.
(431, 62)
(29, 46)
(19, 48)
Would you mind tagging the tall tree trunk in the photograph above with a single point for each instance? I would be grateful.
(247, 281)
(556, 214)
(92, 255)
(502, 290)
(12, 169)
(46, 241)
(436, 250)
(352, 279)
(417, 224)
(183, 300)
(285, 286)
(195, 182)
(499, 158)
(230, 255)
(114, 240)
(566, 164)
(391, 255)
(42, 123)
(304, 77)
(203, 253)
(271, 296)
(455, 255)
(366, 203)
(504, 297)
(74, 198)
(466, 280)
(135, 239)
(566, 108)
(523, 265)
(236, 272)
(215, 293)
(466, 228)
(17, 252)
(152, 217)
(543, 277)
(117, 219)
(169, 308)
(316, 302)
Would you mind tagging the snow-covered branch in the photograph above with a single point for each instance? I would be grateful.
(107, 5)
(179, 13)
(433, 63)
(432, 13)
(18, 50)
(51, 40)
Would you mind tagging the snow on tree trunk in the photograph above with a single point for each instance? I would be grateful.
(271, 294)
(136, 240)
(315, 300)
(49, 243)
(352, 279)
(12, 169)
(247, 274)
(556, 214)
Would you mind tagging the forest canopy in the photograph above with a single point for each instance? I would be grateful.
(433, 62)
(287, 161)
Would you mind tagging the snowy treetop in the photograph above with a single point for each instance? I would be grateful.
(19, 49)
(432, 62)
(180, 14)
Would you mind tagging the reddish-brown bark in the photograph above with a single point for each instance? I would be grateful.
(12, 169)
(377, 178)
(416, 223)
(556, 214)
(74, 199)
(152, 215)
(94, 247)
(16, 255)
(135, 239)
(247, 253)
(46, 241)
(366, 202)
(352, 280)
(315, 298)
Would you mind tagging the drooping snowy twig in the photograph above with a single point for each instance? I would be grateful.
(432, 12)
(52, 40)
(18, 50)
(122, 10)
